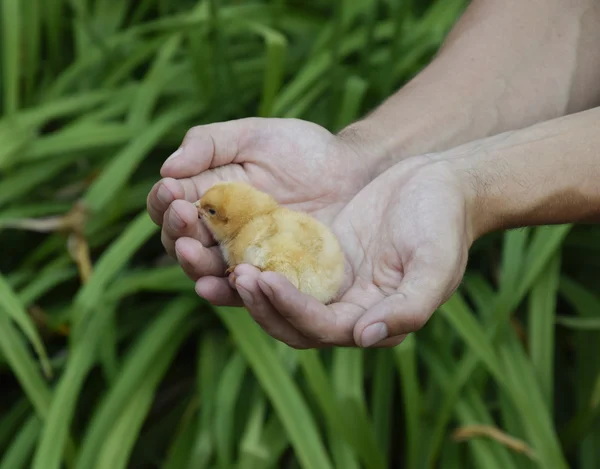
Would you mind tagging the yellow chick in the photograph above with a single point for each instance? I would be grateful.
(251, 228)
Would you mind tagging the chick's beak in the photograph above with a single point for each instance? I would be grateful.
(201, 212)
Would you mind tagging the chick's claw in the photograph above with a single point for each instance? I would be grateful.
(232, 280)
(231, 277)
(246, 269)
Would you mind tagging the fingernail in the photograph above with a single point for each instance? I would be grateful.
(175, 154)
(245, 295)
(164, 195)
(373, 334)
(176, 221)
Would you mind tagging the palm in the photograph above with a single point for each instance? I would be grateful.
(406, 250)
(404, 235)
(388, 228)
(299, 163)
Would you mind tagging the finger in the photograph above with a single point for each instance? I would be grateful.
(208, 146)
(164, 192)
(199, 261)
(263, 312)
(422, 290)
(217, 291)
(181, 221)
(309, 316)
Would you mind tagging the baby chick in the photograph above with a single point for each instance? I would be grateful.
(251, 228)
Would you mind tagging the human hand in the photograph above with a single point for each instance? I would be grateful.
(406, 238)
(407, 234)
(302, 165)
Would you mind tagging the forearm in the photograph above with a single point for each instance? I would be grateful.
(505, 65)
(546, 174)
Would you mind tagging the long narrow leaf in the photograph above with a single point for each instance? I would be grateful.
(10, 303)
(286, 398)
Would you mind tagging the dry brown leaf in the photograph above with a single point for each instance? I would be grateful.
(474, 431)
(73, 225)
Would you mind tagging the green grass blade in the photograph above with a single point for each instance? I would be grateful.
(11, 304)
(23, 366)
(141, 109)
(542, 307)
(513, 254)
(583, 324)
(546, 241)
(178, 455)
(354, 92)
(84, 353)
(346, 418)
(458, 314)
(24, 181)
(47, 278)
(470, 410)
(104, 189)
(406, 362)
(139, 361)
(347, 371)
(276, 48)
(11, 47)
(68, 106)
(117, 447)
(528, 399)
(286, 398)
(382, 399)
(211, 359)
(582, 431)
(535, 416)
(252, 453)
(585, 302)
(111, 262)
(12, 420)
(16, 138)
(275, 442)
(228, 392)
(19, 452)
(77, 139)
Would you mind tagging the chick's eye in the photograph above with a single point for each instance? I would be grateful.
(212, 211)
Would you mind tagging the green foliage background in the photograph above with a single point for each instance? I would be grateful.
(95, 94)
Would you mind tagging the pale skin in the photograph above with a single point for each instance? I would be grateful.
(473, 144)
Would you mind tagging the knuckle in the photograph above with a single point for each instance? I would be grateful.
(194, 132)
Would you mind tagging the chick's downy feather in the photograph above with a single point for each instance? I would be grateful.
(251, 228)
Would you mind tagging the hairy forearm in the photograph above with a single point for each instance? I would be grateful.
(505, 65)
(546, 174)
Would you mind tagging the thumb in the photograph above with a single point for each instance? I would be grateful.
(208, 146)
(423, 289)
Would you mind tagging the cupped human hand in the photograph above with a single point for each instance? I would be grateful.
(301, 164)
(406, 238)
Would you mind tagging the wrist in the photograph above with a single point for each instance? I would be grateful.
(483, 194)
(369, 145)
(544, 175)
(382, 144)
